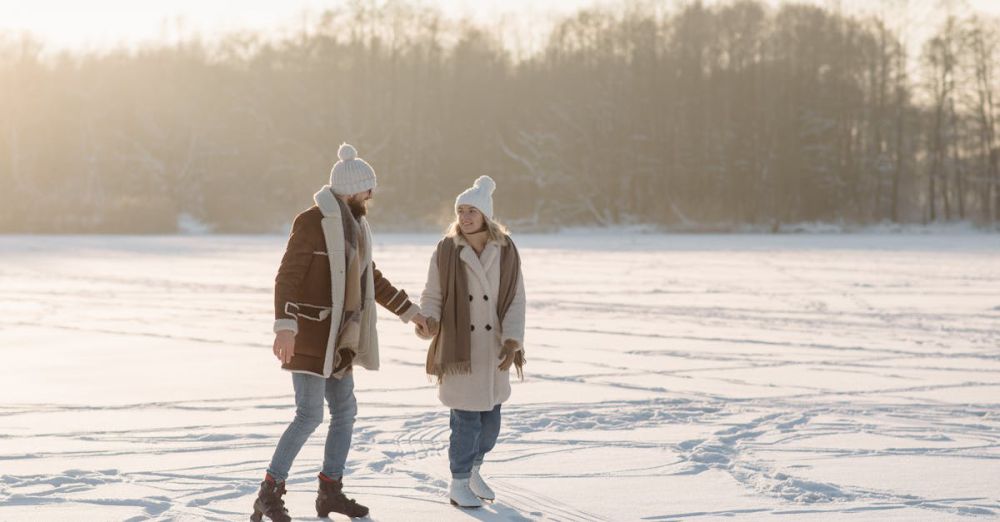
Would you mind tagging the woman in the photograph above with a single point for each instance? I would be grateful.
(474, 302)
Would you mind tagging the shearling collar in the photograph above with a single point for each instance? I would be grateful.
(326, 201)
(460, 241)
(480, 264)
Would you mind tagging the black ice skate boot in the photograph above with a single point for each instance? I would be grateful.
(269, 502)
(331, 498)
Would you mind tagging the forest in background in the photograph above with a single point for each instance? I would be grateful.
(697, 117)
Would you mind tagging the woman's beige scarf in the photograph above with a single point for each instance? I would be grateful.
(450, 350)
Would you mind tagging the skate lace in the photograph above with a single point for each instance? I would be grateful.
(276, 502)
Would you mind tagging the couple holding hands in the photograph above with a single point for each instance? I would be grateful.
(472, 311)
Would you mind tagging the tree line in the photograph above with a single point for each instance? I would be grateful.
(700, 117)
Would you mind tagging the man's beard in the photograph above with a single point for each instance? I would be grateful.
(359, 207)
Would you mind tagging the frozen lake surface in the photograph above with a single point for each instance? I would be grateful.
(669, 377)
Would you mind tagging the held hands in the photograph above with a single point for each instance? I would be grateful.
(284, 345)
(420, 320)
(428, 329)
(507, 354)
(420, 325)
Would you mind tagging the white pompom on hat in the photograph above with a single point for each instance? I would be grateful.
(480, 195)
(351, 174)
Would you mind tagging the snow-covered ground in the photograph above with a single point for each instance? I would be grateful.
(669, 377)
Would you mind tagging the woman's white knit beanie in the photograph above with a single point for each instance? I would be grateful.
(479, 196)
(351, 174)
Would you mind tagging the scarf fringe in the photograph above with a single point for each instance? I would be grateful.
(459, 368)
(519, 362)
(466, 368)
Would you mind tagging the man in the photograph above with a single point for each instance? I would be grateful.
(324, 301)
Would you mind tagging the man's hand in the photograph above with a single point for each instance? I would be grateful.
(284, 345)
(428, 330)
(420, 321)
(507, 354)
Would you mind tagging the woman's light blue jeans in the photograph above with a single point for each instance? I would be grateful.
(309, 393)
(473, 435)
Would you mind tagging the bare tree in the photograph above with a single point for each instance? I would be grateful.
(982, 39)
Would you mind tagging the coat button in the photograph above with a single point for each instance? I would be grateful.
(472, 327)
(486, 298)
(488, 328)
(470, 297)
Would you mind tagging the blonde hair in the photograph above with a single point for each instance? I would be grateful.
(495, 231)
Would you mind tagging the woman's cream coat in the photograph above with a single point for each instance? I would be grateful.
(486, 386)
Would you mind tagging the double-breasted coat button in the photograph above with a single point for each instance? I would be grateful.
(470, 297)
(486, 298)
(472, 327)
(488, 328)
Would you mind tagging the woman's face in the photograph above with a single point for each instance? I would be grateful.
(470, 220)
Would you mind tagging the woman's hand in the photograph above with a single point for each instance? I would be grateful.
(432, 326)
(510, 346)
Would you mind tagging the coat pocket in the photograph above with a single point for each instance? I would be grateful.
(313, 312)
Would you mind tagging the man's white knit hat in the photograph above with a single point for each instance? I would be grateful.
(479, 196)
(351, 174)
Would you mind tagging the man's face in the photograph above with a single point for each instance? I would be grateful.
(358, 203)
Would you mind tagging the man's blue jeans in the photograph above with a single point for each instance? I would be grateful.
(473, 435)
(309, 393)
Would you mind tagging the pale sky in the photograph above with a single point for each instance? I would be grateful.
(102, 24)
